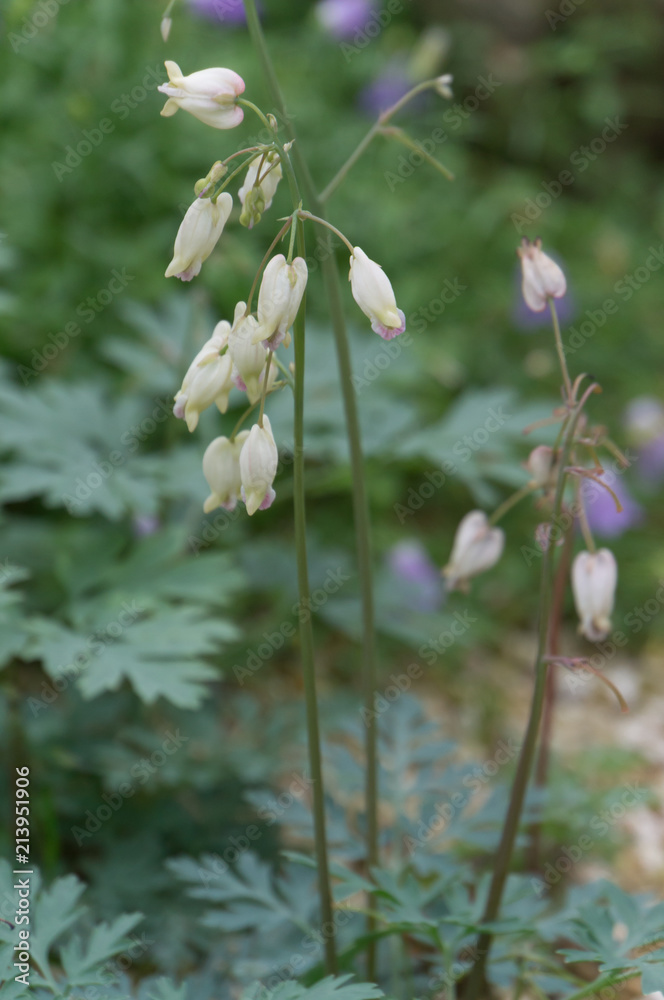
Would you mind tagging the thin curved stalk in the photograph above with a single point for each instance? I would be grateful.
(306, 630)
(360, 502)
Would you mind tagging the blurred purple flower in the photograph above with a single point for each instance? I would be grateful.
(651, 461)
(644, 424)
(603, 517)
(222, 11)
(410, 562)
(525, 319)
(342, 18)
(386, 90)
(144, 525)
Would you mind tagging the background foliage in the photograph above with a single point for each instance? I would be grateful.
(169, 616)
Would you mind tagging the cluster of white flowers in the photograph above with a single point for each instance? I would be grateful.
(244, 465)
(478, 545)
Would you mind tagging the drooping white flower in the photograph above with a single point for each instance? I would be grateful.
(256, 199)
(594, 580)
(477, 547)
(541, 466)
(198, 234)
(259, 459)
(279, 299)
(208, 95)
(221, 468)
(208, 379)
(444, 85)
(542, 279)
(374, 295)
(248, 356)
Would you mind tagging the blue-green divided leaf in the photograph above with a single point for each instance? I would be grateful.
(13, 637)
(165, 989)
(106, 940)
(54, 911)
(330, 988)
(160, 657)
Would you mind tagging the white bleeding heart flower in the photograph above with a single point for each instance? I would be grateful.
(374, 295)
(259, 459)
(249, 356)
(221, 468)
(542, 278)
(279, 299)
(209, 95)
(477, 547)
(594, 580)
(198, 235)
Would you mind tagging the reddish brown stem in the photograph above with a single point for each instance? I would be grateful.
(544, 755)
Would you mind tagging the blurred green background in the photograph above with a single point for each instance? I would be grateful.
(94, 184)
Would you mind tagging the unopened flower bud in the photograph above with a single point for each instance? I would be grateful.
(594, 579)
(279, 299)
(374, 295)
(541, 466)
(165, 27)
(248, 356)
(444, 86)
(477, 547)
(221, 468)
(208, 95)
(198, 235)
(256, 199)
(542, 278)
(259, 459)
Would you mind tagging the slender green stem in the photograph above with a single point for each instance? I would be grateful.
(266, 374)
(306, 630)
(361, 148)
(254, 107)
(595, 988)
(560, 349)
(229, 177)
(505, 850)
(328, 225)
(512, 501)
(360, 501)
(308, 660)
(280, 235)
